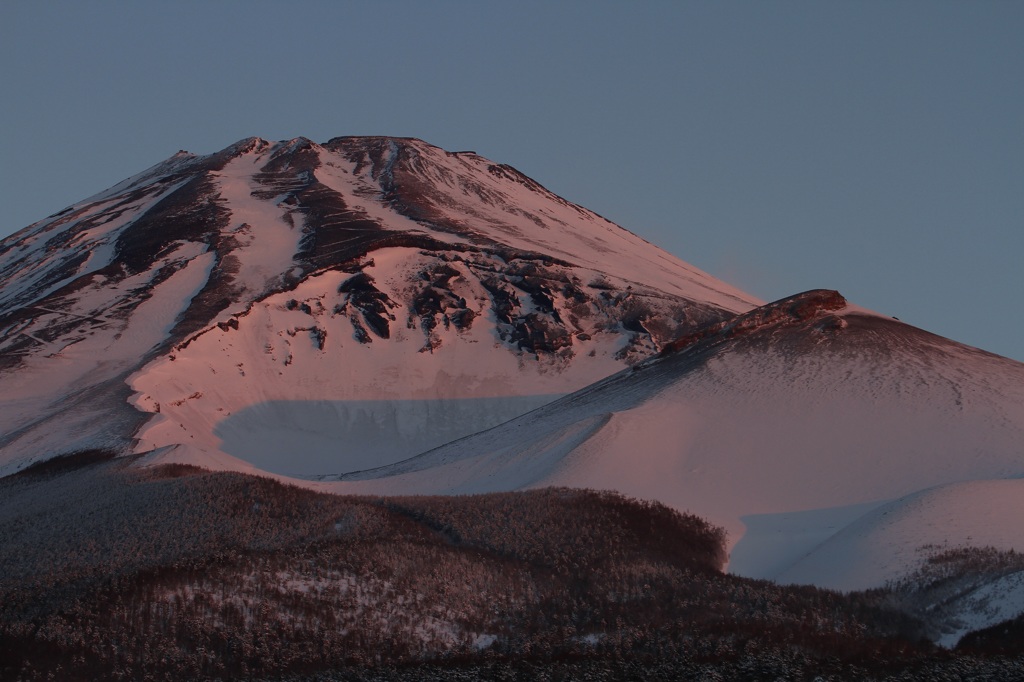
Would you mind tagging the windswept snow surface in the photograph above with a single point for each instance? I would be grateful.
(878, 546)
(792, 434)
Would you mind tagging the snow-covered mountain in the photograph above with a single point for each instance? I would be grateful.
(321, 308)
(377, 315)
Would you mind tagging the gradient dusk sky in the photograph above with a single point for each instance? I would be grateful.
(876, 148)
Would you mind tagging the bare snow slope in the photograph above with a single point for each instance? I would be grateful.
(321, 308)
(883, 542)
(786, 425)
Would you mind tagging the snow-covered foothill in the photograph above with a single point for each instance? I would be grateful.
(882, 544)
(790, 429)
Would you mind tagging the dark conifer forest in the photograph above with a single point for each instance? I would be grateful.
(168, 573)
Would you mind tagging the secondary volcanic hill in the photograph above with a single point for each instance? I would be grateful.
(837, 446)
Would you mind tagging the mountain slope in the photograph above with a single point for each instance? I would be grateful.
(380, 282)
(784, 425)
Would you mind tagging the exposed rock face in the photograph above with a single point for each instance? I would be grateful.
(790, 310)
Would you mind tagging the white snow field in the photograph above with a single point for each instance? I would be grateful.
(879, 545)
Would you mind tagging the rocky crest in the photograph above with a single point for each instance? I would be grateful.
(786, 311)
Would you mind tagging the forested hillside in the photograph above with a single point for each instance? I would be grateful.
(173, 572)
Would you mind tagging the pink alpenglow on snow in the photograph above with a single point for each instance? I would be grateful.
(377, 315)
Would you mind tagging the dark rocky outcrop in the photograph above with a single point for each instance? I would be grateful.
(787, 311)
(365, 303)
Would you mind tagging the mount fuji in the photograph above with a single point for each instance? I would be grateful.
(377, 315)
(321, 308)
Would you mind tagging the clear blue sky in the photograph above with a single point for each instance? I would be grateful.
(872, 147)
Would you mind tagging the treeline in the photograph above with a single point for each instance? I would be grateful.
(111, 572)
(950, 578)
(1003, 639)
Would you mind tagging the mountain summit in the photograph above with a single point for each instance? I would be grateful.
(321, 308)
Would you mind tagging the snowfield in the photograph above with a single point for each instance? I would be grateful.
(880, 545)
